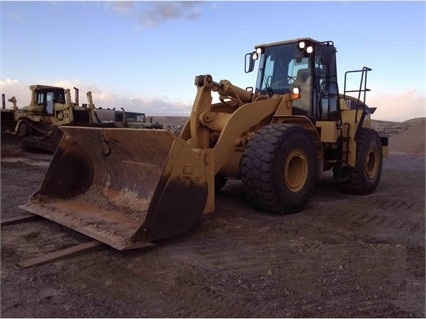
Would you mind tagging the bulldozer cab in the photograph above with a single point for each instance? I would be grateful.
(45, 97)
(304, 63)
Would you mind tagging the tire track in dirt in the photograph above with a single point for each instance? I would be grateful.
(247, 265)
(390, 203)
(345, 219)
(228, 273)
(369, 215)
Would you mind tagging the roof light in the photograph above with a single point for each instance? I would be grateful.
(302, 45)
(259, 50)
(309, 49)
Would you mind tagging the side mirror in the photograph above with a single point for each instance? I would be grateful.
(249, 62)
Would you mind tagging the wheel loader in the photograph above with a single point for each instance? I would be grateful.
(127, 187)
(37, 124)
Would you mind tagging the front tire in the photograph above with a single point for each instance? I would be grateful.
(279, 168)
(364, 177)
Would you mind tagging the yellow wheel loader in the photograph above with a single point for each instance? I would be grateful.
(127, 187)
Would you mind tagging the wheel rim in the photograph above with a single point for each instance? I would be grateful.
(372, 163)
(296, 170)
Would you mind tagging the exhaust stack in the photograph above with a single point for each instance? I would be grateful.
(77, 102)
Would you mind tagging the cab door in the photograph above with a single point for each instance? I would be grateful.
(326, 88)
(45, 100)
(49, 103)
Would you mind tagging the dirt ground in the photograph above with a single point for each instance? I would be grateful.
(342, 256)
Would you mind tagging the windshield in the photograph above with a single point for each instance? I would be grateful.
(279, 68)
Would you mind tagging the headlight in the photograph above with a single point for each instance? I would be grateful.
(295, 93)
(307, 47)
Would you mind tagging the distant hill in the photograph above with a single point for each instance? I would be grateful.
(169, 121)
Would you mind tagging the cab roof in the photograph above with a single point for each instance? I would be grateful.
(43, 87)
(287, 42)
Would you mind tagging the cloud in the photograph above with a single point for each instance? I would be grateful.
(148, 105)
(165, 11)
(156, 106)
(15, 17)
(123, 6)
(11, 87)
(397, 106)
(8, 82)
(151, 14)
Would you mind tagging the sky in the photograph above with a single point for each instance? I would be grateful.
(144, 56)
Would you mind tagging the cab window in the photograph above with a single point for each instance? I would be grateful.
(49, 103)
(40, 98)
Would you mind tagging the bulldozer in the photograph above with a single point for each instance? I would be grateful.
(129, 187)
(36, 125)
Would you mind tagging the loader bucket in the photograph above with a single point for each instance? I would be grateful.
(123, 187)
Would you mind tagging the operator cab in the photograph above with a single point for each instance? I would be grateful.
(303, 63)
(47, 96)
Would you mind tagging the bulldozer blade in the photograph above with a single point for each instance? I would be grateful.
(123, 187)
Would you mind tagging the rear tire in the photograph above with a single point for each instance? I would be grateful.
(364, 177)
(279, 168)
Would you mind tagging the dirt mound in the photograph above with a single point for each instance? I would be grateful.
(404, 137)
(387, 128)
(411, 139)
